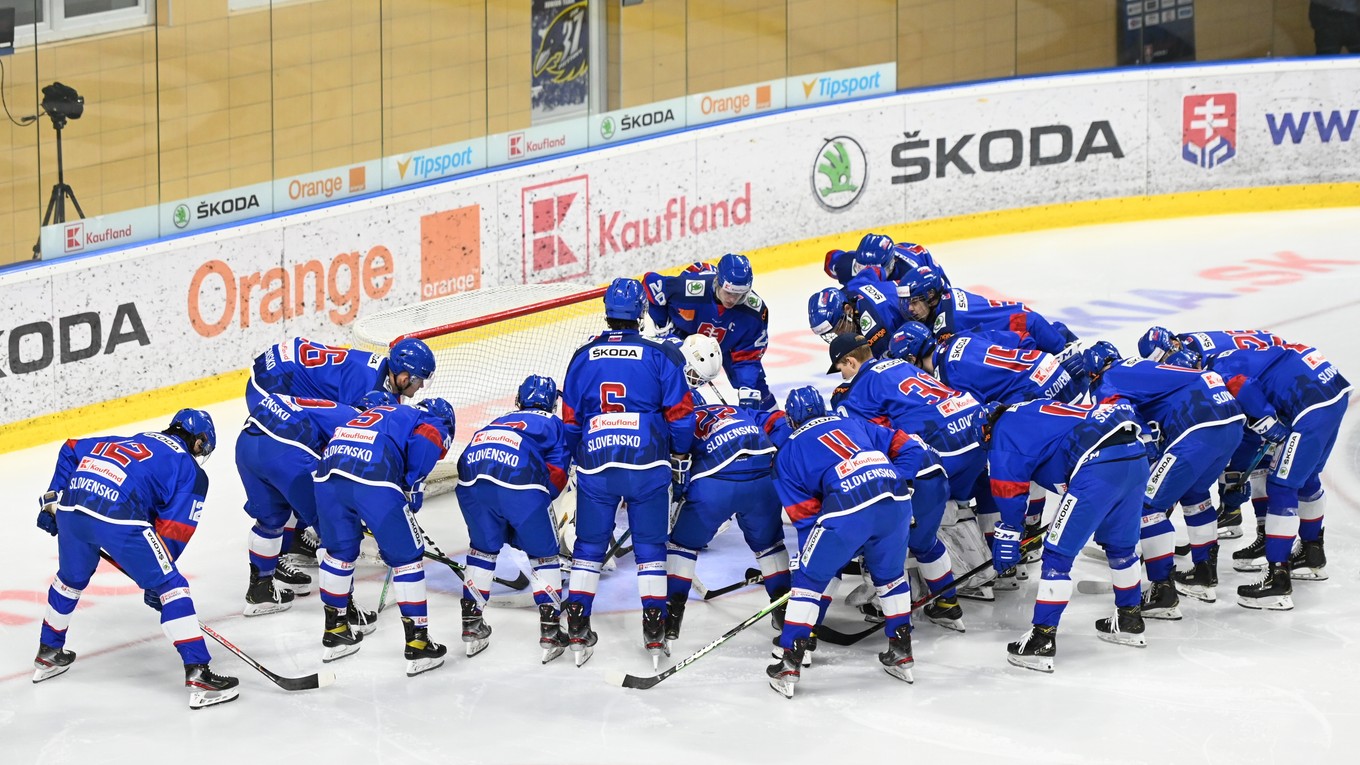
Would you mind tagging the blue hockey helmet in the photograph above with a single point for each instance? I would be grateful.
(439, 410)
(1156, 343)
(377, 398)
(1099, 356)
(411, 355)
(734, 273)
(832, 264)
(1183, 358)
(911, 342)
(984, 420)
(623, 300)
(195, 425)
(804, 404)
(537, 392)
(874, 250)
(826, 309)
(922, 283)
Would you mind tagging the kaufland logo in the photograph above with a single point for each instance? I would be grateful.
(77, 237)
(623, 230)
(1209, 129)
(556, 220)
(519, 145)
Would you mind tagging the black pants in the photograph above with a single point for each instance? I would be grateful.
(1334, 30)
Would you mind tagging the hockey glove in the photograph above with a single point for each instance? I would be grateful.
(47, 512)
(1005, 547)
(748, 398)
(680, 472)
(151, 599)
(417, 499)
(1270, 429)
(1234, 489)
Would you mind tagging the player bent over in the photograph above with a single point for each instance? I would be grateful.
(372, 474)
(138, 498)
(732, 459)
(630, 420)
(508, 477)
(846, 485)
(276, 454)
(1091, 456)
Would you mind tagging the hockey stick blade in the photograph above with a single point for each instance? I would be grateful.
(753, 576)
(1094, 587)
(518, 583)
(836, 637)
(307, 683)
(643, 683)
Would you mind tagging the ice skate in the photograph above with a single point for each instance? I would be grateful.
(1253, 556)
(873, 614)
(1230, 522)
(422, 653)
(675, 615)
(302, 551)
(784, 674)
(361, 621)
(551, 638)
(1160, 601)
(1198, 583)
(654, 635)
(778, 650)
(1126, 627)
(262, 597)
(51, 662)
(339, 640)
(1274, 592)
(1035, 650)
(582, 638)
(206, 688)
(947, 613)
(897, 660)
(290, 577)
(984, 592)
(475, 629)
(1007, 582)
(1309, 562)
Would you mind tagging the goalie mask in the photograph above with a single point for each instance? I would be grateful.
(703, 359)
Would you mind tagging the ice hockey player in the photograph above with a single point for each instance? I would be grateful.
(721, 304)
(846, 486)
(1294, 397)
(830, 314)
(1198, 426)
(138, 498)
(732, 457)
(1235, 486)
(301, 368)
(894, 259)
(276, 454)
(1089, 455)
(993, 365)
(629, 418)
(372, 475)
(508, 477)
(948, 311)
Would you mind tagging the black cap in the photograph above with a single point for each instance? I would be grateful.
(843, 344)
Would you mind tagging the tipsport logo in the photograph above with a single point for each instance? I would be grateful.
(1209, 129)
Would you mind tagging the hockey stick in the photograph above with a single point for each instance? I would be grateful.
(614, 677)
(432, 552)
(753, 576)
(617, 549)
(307, 683)
(1241, 483)
(387, 584)
(836, 637)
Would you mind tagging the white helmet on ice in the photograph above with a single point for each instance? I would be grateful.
(703, 359)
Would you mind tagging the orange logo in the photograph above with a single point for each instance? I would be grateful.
(763, 97)
(450, 252)
(358, 179)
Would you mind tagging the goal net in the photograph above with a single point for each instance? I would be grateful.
(485, 343)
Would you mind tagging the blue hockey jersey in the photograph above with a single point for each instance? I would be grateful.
(149, 479)
(306, 423)
(300, 367)
(689, 304)
(960, 311)
(1047, 442)
(1285, 381)
(893, 392)
(907, 257)
(1176, 398)
(836, 465)
(625, 403)
(526, 449)
(877, 309)
(732, 441)
(973, 363)
(1210, 344)
(392, 446)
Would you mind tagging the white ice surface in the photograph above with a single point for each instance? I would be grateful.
(1225, 685)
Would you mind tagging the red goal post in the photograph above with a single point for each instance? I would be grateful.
(485, 343)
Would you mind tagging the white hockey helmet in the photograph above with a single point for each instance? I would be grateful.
(703, 359)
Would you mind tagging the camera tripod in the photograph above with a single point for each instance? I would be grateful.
(61, 191)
